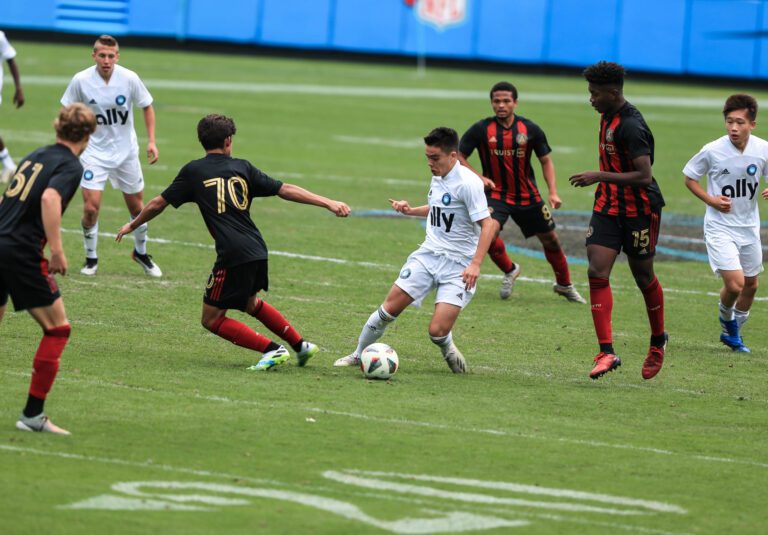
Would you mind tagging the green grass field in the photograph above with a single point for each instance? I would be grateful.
(170, 433)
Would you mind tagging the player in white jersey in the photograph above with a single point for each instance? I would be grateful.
(459, 232)
(733, 165)
(111, 91)
(8, 53)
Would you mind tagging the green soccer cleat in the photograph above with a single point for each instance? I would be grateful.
(308, 350)
(271, 359)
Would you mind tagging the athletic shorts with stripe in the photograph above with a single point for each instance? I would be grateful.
(636, 236)
(232, 287)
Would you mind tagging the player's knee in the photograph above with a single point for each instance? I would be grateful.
(438, 331)
(212, 323)
(90, 214)
(61, 331)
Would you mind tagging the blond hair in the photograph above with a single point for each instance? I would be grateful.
(75, 123)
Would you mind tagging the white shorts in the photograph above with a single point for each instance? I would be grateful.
(127, 177)
(733, 249)
(424, 271)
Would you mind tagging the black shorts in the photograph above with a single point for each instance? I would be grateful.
(232, 287)
(26, 279)
(636, 236)
(534, 219)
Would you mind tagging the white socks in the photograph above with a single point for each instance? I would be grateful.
(90, 240)
(726, 313)
(374, 328)
(140, 238)
(443, 342)
(740, 316)
(5, 157)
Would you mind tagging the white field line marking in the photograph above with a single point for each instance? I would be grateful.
(386, 92)
(382, 142)
(389, 267)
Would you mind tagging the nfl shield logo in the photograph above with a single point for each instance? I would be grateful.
(442, 13)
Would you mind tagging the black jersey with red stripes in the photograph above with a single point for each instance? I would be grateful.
(505, 154)
(21, 221)
(625, 136)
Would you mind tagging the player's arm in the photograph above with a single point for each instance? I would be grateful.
(720, 203)
(487, 182)
(548, 170)
(149, 121)
(487, 235)
(18, 96)
(293, 193)
(50, 210)
(151, 210)
(642, 175)
(404, 208)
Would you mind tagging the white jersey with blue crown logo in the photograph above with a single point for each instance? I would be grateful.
(734, 174)
(115, 138)
(456, 203)
(6, 52)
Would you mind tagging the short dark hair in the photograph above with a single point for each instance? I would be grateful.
(605, 73)
(105, 40)
(741, 101)
(75, 123)
(213, 129)
(443, 137)
(504, 86)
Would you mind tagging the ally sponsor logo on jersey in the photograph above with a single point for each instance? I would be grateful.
(438, 218)
(114, 116)
(743, 187)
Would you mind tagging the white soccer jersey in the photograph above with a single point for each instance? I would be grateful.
(456, 202)
(6, 52)
(115, 137)
(734, 174)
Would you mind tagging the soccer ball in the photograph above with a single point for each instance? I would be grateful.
(379, 361)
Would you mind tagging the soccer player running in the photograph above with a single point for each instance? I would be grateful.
(30, 217)
(222, 187)
(733, 165)
(111, 92)
(459, 232)
(505, 144)
(8, 53)
(626, 215)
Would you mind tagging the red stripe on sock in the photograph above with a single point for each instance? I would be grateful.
(559, 264)
(46, 363)
(276, 322)
(654, 304)
(498, 253)
(240, 334)
(601, 298)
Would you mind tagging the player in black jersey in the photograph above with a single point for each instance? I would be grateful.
(222, 187)
(30, 217)
(626, 216)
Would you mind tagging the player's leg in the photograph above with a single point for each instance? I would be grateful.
(726, 260)
(216, 321)
(734, 284)
(601, 260)
(751, 257)
(56, 331)
(90, 226)
(129, 179)
(553, 252)
(745, 300)
(498, 250)
(440, 327)
(276, 322)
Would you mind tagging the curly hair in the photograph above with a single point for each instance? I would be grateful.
(504, 86)
(75, 123)
(605, 73)
(213, 129)
(741, 101)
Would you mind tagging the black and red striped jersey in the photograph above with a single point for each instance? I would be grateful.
(505, 154)
(625, 136)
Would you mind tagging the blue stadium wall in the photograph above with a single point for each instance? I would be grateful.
(687, 37)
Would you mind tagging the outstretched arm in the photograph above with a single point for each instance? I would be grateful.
(641, 176)
(404, 208)
(487, 235)
(151, 210)
(18, 96)
(149, 121)
(291, 192)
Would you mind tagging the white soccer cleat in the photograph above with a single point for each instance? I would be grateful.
(455, 359)
(146, 262)
(349, 360)
(308, 350)
(39, 424)
(90, 267)
(569, 292)
(508, 282)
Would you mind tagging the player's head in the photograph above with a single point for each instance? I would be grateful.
(442, 150)
(74, 126)
(503, 99)
(740, 113)
(606, 85)
(215, 132)
(106, 52)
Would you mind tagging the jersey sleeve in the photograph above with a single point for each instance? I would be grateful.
(477, 205)
(6, 50)
(472, 139)
(139, 93)
(72, 93)
(539, 141)
(66, 179)
(636, 138)
(261, 184)
(698, 166)
(180, 190)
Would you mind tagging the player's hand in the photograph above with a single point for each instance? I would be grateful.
(339, 208)
(487, 183)
(587, 178)
(400, 206)
(152, 153)
(125, 229)
(765, 193)
(58, 263)
(18, 97)
(721, 203)
(554, 201)
(470, 275)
